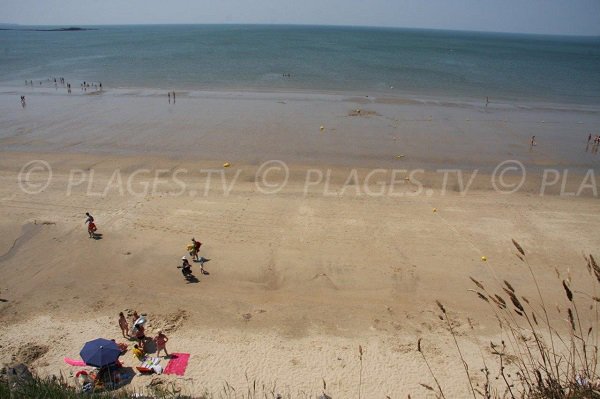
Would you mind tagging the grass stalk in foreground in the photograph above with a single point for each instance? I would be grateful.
(539, 367)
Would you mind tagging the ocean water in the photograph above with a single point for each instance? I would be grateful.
(341, 59)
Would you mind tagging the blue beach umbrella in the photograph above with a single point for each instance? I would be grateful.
(100, 352)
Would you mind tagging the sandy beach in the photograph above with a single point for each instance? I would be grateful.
(308, 261)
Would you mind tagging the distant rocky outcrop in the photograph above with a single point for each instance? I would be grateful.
(69, 29)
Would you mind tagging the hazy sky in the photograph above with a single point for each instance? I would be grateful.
(579, 17)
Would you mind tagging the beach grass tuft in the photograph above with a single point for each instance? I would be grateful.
(538, 358)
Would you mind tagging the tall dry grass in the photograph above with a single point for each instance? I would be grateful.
(537, 356)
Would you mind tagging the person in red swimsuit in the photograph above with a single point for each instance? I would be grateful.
(91, 226)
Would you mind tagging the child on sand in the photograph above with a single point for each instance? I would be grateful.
(123, 325)
(161, 343)
(140, 336)
(134, 317)
(196, 249)
(92, 229)
(91, 226)
(137, 352)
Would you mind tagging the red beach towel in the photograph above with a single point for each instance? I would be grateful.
(177, 364)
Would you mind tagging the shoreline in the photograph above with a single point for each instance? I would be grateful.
(367, 96)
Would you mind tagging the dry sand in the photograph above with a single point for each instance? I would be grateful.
(298, 279)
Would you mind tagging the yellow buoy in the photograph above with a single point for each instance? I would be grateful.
(483, 258)
(226, 165)
(400, 156)
(434, 210)
(322, 128)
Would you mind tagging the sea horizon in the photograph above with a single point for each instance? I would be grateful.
(375, 27)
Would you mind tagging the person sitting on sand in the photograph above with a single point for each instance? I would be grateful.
(123, 325)
(121, 346)
(138, 352)
(186, 268)
(161, 343)
(185, 263)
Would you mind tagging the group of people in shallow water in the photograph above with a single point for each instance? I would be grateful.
(61, 81)
(594, 141)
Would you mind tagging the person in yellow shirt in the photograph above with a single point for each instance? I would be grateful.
(137, 352)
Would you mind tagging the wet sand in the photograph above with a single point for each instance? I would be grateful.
(255, 127)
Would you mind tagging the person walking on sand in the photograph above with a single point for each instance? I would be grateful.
(161, 343)
(123, 325)
(89, 219)
(533, 141)
(196, 249)
(169, 95)
(589, 138)
(173, 96)
(91, 225)
(92, 229)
